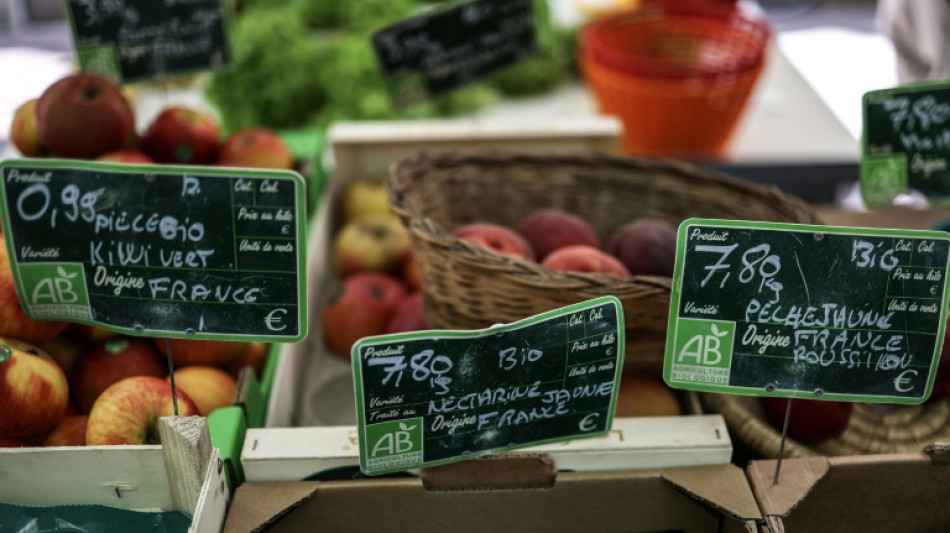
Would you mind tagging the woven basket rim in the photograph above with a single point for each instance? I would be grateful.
(531, 273)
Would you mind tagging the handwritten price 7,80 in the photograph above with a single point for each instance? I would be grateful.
(757, 262)
(425, 366)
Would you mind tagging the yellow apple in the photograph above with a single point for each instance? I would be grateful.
(208, 386)
(371, 242)
(364, 197)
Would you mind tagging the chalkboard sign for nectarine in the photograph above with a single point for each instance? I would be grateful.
(158, 250)
(906, 143)
(138, 40)
(819, 312)
(444, 49)
(433, 397)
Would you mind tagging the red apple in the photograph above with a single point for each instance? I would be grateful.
(254, 356)
(64, 350)
(201, 352)
(208, 386)
(646, 396)
(23, 132)
(255, 148)
(128, 411)
(408, 315)
(13, 443)
(583, 258)
(370, 242)
(83, 116)
(645, 246)
(111, 361)
(495, 238)
(129, 155)
(812, 421)
(547, 230)
(182, 135)
(360, 306)
(71, 431)
(13, 321)
(34, 392)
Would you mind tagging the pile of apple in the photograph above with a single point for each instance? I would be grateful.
(64, 384)
(378, 288)
(86, 116)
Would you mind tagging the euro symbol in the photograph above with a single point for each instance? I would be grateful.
(901, 380)
(272, 320)
(588, 423)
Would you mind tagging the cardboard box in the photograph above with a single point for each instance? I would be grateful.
(184, 474)
(513, 497)
(866, 493)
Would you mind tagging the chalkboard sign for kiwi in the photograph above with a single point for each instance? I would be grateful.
(139, 40)
(158, 250)
(444, 49)
(805, 311)
(433, 397)
(906, 144)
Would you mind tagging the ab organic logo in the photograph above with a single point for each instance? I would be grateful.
(703, 351)
(55, 290)
(394, 444)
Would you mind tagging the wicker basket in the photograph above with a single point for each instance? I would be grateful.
(872, 428)
(467, 287)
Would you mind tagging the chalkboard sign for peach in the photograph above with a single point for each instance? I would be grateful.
(817, 312)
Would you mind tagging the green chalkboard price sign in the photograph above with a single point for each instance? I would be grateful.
(817, 312)
(180, 252)
(435, 52)
(906, 143)
(434, 397)
(138, 40)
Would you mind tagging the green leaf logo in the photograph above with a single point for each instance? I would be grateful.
(62, 273)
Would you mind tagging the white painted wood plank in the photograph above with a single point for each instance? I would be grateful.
(289, 454)
(86, 475)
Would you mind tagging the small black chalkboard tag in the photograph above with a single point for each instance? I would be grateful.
(158, 250)
(438, 51)
(434, 397)
(818, 312)
(906, 144)
(139, 40)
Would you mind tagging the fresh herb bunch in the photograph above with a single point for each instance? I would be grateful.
(303, 63)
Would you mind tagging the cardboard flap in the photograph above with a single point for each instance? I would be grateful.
(718, 486)
(796, 480)
(502, 471)
(257, 505)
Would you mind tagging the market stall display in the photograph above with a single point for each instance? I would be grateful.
(467, 287)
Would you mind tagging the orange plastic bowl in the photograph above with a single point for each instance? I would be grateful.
(677, 74)
(678, 38)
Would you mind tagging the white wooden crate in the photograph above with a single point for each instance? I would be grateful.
(183, 474)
